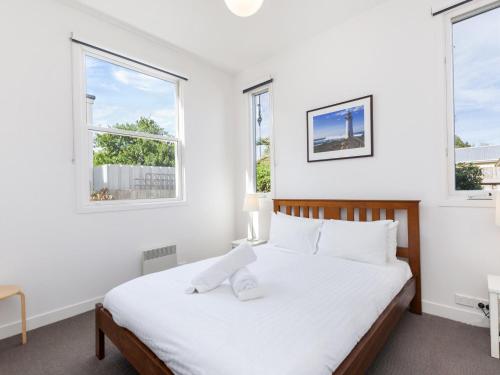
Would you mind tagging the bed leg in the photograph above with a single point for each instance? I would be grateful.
(416, 303)
(99, 335)
(416, 307)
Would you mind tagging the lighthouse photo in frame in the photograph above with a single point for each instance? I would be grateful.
(341, 131)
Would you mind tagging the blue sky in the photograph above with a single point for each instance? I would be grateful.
(333, 124)
(123, 95)
(477, 78)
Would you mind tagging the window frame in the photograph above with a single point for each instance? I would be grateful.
(82, 142)
(252, 183)
(467, 198)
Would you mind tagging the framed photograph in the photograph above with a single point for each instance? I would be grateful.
(341, 131)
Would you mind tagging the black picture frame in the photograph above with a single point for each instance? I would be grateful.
(347, 153)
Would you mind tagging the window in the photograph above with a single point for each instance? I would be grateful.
(475, 101)
(261, 140)
(129, 132)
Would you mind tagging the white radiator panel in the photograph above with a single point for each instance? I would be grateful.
(160, 259)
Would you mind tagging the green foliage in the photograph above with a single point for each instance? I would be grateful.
(263, 175)
(118, 149)
(459, 143)
(263, 167)
(468, 177)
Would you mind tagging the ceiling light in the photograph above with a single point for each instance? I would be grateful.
(244, 8)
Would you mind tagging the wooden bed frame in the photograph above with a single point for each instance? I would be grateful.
(365, 352)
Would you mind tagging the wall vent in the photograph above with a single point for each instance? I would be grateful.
(160, 259)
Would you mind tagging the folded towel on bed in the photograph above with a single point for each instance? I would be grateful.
(243, 279)
(227, 265)
(245, 285)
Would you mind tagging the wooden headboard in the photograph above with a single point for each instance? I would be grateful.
(365, 210)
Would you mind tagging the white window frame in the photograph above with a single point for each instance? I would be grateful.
(253, 158)
(82, 145)
(472, 198)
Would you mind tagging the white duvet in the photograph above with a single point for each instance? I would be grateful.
(316, 308)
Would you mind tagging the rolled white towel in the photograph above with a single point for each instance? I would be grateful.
(245, 285)
(248, 294)
(243, 279)
(227, 265)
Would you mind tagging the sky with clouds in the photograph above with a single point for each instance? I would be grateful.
(124, 95)
(332, 125)
(476, 56)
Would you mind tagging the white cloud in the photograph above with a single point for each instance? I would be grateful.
(140, 81)
(102, 114)
(477, 63)
(165, 118)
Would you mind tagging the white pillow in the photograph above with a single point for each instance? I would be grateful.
(392, 241)
(295, 233)
(361, 241)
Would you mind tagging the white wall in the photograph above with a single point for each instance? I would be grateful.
(65, 261)
(395, 52)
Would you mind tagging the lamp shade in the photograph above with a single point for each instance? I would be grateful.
(251, 203)
(497, 210)
(244, 8)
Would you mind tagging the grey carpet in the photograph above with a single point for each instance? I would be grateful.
(423, 345)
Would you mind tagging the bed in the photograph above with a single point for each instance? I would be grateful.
(320, 315)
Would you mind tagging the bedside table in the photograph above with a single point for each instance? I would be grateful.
(236, 243)
(494, 291)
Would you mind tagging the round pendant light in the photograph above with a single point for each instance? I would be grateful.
(244, 8)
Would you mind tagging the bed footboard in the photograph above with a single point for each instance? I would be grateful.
(358, 361)
(365, 352)
(137, 354)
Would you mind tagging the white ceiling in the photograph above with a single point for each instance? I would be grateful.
(208, 29)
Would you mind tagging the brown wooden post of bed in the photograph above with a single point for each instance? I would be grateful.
(414, 255)
(99, 334)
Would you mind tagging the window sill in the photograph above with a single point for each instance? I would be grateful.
(470, 203)
(98, 207)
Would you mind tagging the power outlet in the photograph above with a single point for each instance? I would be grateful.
(461, 299)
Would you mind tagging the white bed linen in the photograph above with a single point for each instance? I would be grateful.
(315, 309)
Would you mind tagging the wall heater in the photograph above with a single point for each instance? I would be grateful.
(160, 259)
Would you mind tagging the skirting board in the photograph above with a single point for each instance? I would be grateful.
(467, 316)
(49, 317)
(453, 313)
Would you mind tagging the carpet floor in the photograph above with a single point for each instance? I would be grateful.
(420, 345)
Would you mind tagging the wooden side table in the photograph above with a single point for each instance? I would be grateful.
(7, 291)
(494, 291)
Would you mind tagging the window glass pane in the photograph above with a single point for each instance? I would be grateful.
(119, 97)
(262, 131)
(476, 70)
(132, 168)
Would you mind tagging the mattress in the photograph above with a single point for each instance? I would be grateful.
(315, 310)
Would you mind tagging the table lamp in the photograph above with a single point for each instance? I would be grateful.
(251, 204)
